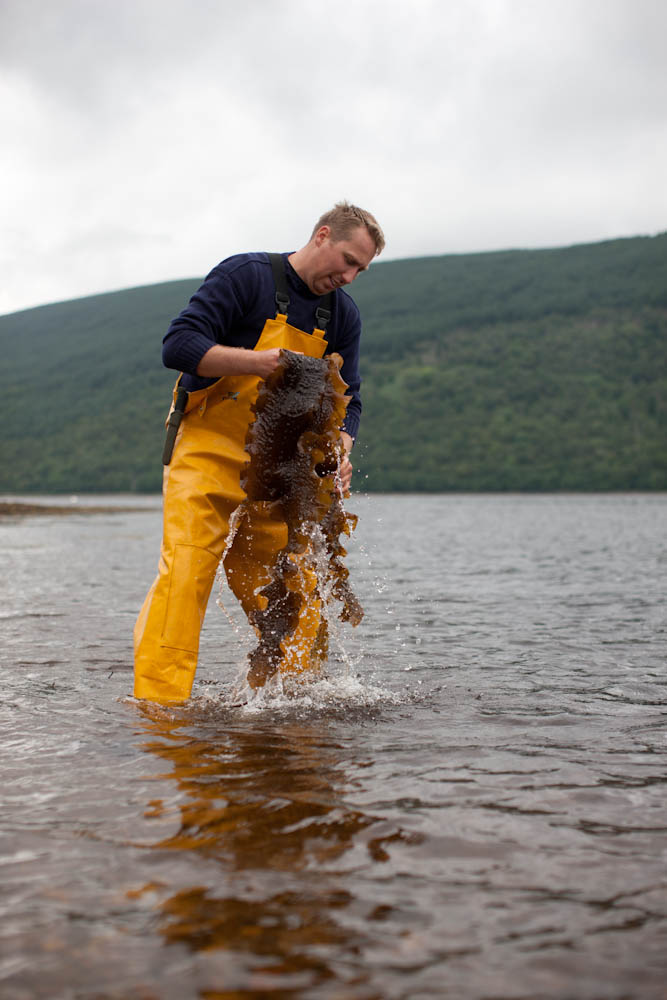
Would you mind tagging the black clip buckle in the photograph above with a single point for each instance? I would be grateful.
(322, 316)
(282, 301)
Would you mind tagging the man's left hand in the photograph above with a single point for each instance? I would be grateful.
(345, 463)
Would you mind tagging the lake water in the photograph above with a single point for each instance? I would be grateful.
(471, 805)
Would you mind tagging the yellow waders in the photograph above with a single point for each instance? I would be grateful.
(201, 490)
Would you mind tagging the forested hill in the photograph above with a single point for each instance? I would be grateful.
(517, 370)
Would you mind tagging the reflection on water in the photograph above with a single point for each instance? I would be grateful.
(472, 804)
(268, 808)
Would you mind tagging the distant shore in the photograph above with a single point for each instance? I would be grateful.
(16, 509)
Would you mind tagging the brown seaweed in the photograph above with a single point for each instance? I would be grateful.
(294, 448)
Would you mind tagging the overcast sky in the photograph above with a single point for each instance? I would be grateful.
(145, 140)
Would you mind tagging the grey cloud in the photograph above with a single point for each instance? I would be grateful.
(471, 124)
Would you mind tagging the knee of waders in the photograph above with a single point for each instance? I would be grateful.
(191, 574)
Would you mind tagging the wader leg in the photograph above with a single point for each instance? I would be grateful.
(166, 635)
(256, 545)
(167, 632)
(248, 561)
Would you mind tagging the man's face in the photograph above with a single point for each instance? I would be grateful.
(338, 263)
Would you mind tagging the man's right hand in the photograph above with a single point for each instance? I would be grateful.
(220, 360)
(266, 361)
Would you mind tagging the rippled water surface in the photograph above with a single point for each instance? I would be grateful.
(472, 804)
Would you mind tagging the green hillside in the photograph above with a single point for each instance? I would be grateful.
(518, 370)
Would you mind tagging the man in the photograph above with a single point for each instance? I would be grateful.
(224, 342)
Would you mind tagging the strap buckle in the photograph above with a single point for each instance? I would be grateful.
(282, 301)
(322, 316)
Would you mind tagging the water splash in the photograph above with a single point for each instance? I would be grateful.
(329, 694)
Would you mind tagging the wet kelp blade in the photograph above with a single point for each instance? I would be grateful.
(291, 480)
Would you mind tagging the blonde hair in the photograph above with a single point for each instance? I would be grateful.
(344, 218)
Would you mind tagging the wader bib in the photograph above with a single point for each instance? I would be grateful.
(201, 490)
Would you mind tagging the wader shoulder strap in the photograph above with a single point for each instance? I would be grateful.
(323, 310)
(280, 281)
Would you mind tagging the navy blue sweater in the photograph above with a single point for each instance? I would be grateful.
(231, 307)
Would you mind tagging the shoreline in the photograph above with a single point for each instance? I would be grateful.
(19, 509)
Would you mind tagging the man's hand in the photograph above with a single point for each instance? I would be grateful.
(266, 361)
(221, 360)
(345, 463)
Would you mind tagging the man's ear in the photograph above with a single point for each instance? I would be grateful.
(321, 235)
